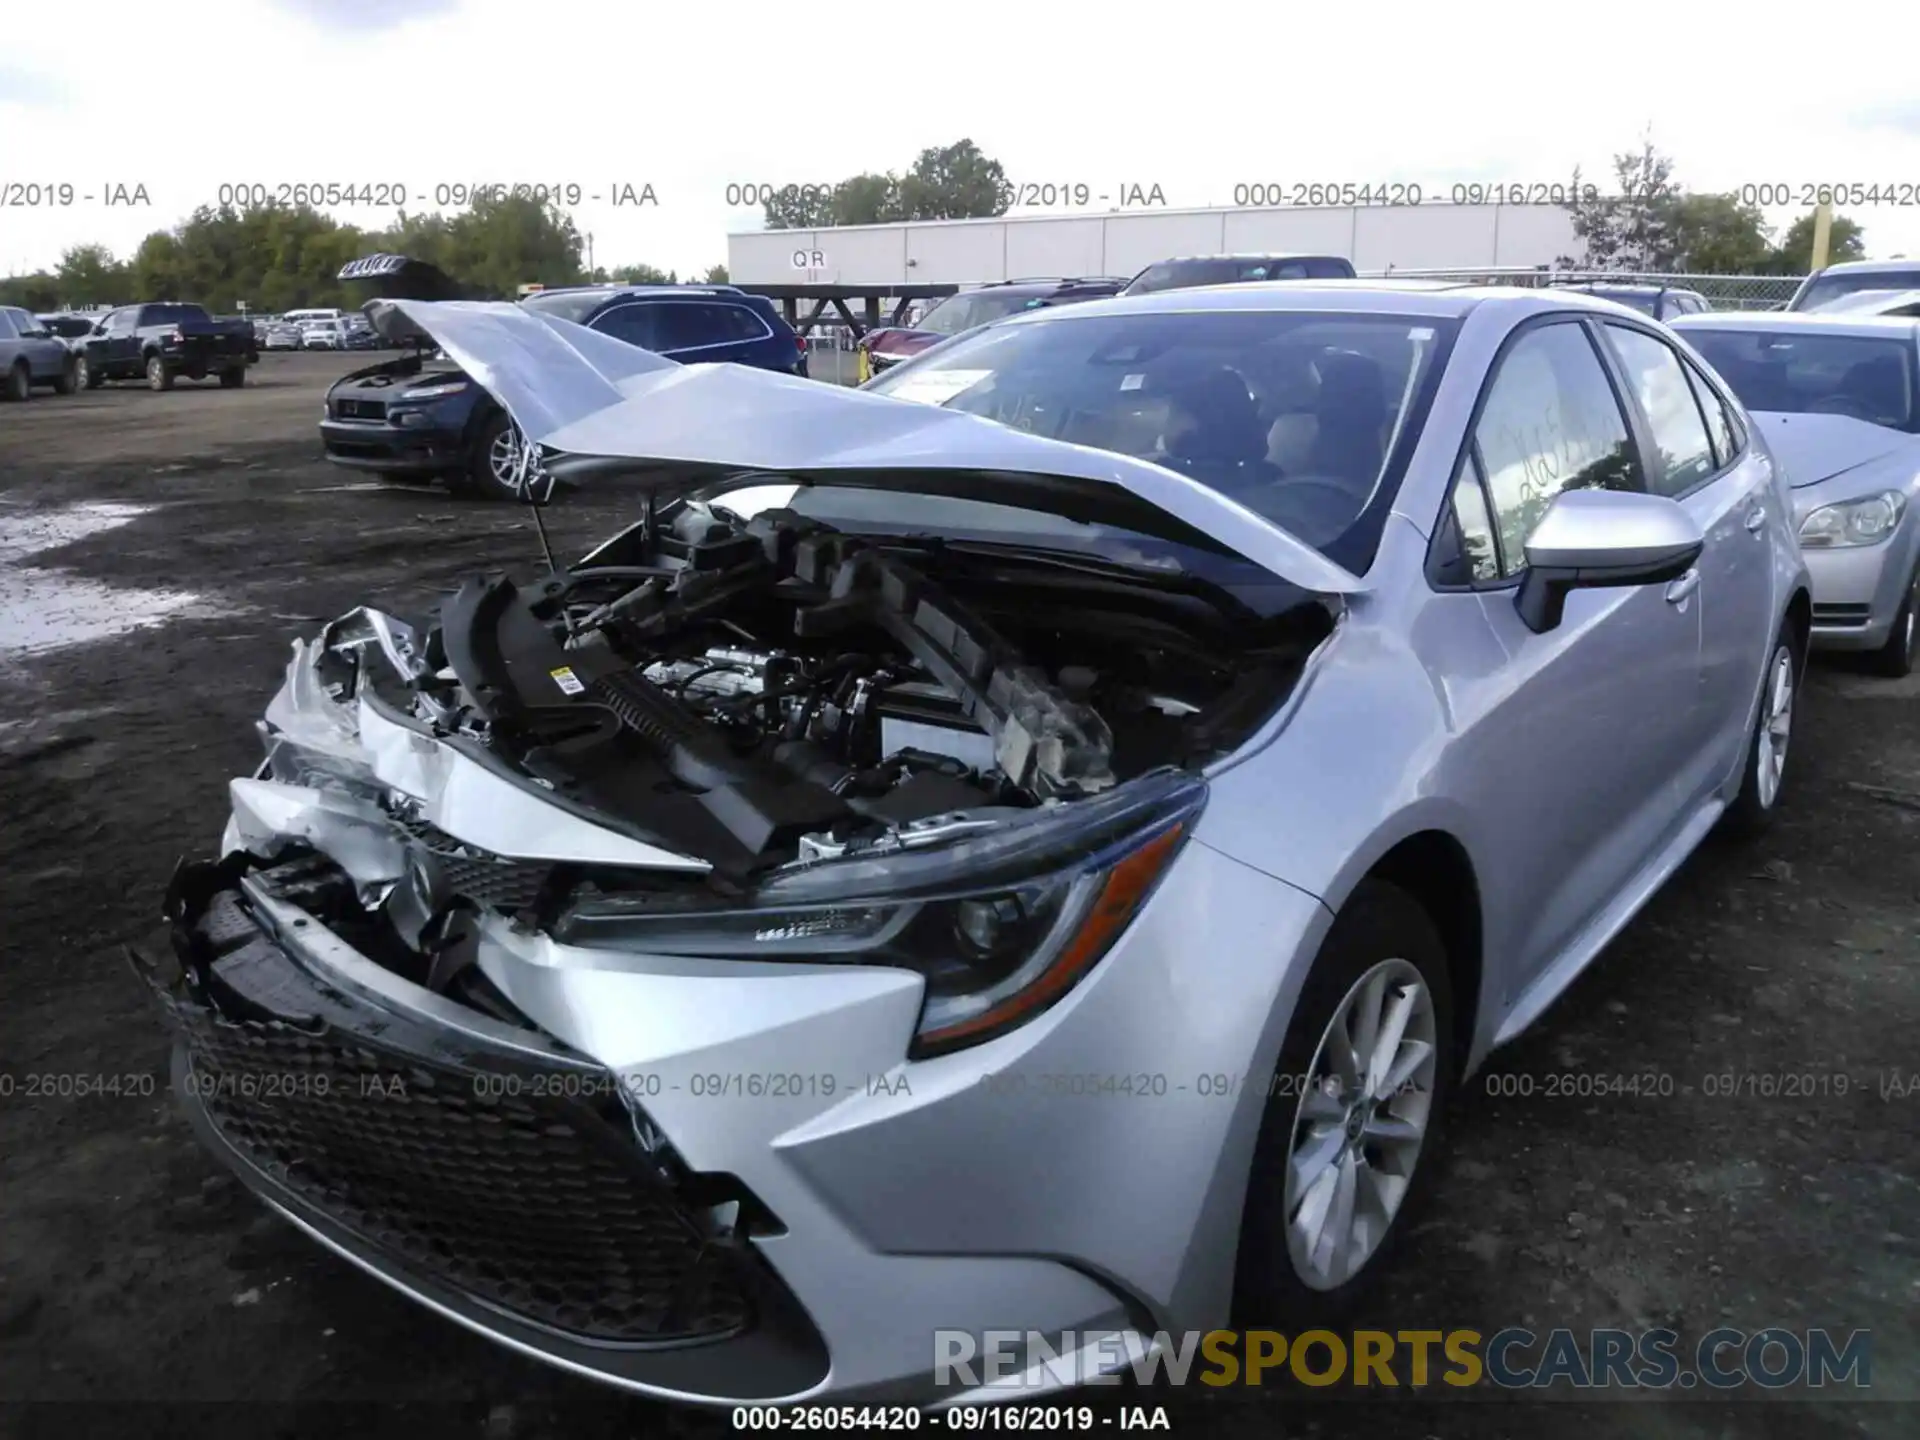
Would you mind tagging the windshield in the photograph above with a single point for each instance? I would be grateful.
(66, 326)
(1824, 289)
(963, 312)
(574, 305)
(1236, 270)
(1305, 417)
(1868, 379)
(172, 314)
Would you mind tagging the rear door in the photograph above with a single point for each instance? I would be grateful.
(1700, 457)
(697, 332)
(1578, 744)
(634, 321)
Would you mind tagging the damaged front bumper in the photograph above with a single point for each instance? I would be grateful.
(475, 1165)
(695, 1175)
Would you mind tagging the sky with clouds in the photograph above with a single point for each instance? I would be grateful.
(1198, 98)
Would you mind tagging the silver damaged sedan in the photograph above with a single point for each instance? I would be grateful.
(1150, 749)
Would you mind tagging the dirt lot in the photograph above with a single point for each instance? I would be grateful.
(142, 1292)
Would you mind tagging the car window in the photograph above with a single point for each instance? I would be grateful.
(1550, 423)
(1479, 546)
(7, 328)
(1683, 455)
(172, 314)
(1728, 436)
(1808, 373)
(632, 323)
(740, 323)
(1823, 289)
(964, 312)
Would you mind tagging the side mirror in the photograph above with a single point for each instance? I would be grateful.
(1601, 539)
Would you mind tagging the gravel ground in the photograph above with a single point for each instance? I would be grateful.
(159, 551)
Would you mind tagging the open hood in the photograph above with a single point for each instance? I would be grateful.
(606, 404)
(1813, 448)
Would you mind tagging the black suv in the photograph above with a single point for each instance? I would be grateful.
(424, 418)
(1662, 302)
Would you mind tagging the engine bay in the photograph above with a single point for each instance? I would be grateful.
(758, 692)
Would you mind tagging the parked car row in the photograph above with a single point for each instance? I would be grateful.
(158, 343)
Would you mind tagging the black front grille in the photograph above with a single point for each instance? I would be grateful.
(360, 409)
(1841, 614)
(516, 1181)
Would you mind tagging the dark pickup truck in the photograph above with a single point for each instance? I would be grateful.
(161, 342)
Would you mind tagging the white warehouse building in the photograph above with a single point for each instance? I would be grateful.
(1121, 242)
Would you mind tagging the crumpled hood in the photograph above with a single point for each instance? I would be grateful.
(1813, 448)
(582, 393)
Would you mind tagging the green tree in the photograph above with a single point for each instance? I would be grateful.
(1717, 235)
(947, 182)
(1634, 227)
(1794, 254)
(38, 291)
(716, 275)
(503, 242)
(798, 209)
(953, 182)
(644, 275)
(89, 275)
(868, 199)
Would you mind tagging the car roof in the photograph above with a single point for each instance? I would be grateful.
(1786, 322)
(1249, 255)
(1043, 285)
(1622, 287)
(620, 292)
(1870, 267)
(1439, 299)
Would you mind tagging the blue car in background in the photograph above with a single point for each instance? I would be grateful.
(422, 418)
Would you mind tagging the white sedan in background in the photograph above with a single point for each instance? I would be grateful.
(1837, 395)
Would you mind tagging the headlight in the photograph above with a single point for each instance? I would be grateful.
(1001, 924)
(1855, 522)
(434, 392)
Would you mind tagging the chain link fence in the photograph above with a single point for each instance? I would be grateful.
(1722, 292)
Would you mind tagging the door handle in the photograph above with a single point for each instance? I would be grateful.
(1680, 589)
(1756, 517)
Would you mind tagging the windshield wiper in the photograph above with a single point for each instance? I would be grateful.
(1180, 583)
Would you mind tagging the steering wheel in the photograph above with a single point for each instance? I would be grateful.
(1842, 405)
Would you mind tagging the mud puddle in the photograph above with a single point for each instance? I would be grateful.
(44, 609)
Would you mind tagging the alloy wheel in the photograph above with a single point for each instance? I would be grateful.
(1361, 1123)
(503, 459)
(1776, 728)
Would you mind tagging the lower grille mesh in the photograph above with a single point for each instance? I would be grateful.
(510, 1186)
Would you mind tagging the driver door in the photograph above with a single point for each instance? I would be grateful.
(1580, 745)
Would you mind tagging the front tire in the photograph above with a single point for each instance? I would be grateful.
(90, 378)
(1895, 658)
(68, 380)
(158, 376)
(1761, 783)
(490, 461)
(19, 382)
(1347, 1144)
